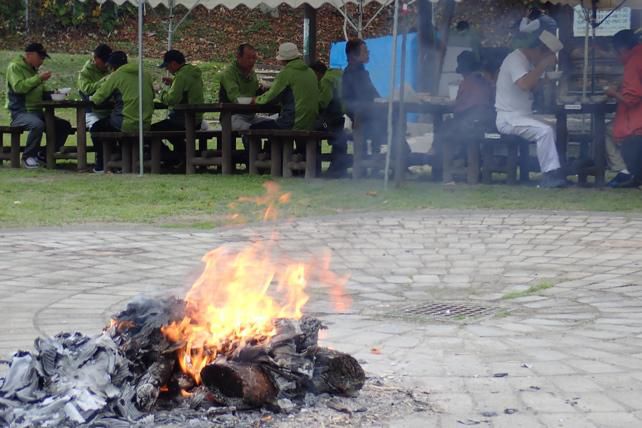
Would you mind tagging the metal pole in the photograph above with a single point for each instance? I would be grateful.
(170, 29)
(401, 122)
(27, 16)
(593, 26)
(393, 78)
(141, 5)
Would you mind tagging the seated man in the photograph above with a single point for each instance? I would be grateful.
(25, 92)
(518, 76)
(185, 88)
(473, 109)
(90, 78)
(297, 91)
(122, 87)
(627, 125)
(331, 116)
(239, 80)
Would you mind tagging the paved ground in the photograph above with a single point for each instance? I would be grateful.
(569, 355)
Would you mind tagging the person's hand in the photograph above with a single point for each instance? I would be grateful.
(44, 76)
(167, 80)
(611, 91)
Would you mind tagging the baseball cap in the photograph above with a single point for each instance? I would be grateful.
(38, 48)
(173, 55)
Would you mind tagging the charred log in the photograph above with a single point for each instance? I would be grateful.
(157, 376)
(335, 372)
(246, 381)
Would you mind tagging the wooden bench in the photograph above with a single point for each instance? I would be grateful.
(12, 152)
(517, 155)
(283, 161)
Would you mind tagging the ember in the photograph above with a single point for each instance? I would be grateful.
(239, 340)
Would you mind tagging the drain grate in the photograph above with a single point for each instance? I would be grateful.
(442, 311)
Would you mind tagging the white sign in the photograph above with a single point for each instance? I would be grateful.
(619, 20)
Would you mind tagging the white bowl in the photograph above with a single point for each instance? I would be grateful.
(244, 100)
(65, 91)
(58, 97)
(554, 75)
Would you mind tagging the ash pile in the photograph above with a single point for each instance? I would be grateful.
(130, 374)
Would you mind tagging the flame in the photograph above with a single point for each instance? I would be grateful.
(240, 294)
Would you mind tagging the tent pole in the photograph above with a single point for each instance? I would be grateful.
(27, 16)
(391, 95)
(401, 121)
(170, 25)
(141, 5)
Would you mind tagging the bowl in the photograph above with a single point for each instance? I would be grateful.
(554, 75)
(65, 91)
(244, 100)
(58, 97)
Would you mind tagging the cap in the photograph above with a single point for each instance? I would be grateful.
(551, 42)
(37, 48)
(117, 58)
(288, 51)
(173, 55)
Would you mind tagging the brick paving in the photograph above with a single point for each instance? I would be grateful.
(567, 355)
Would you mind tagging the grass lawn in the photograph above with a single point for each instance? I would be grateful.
(44, 198)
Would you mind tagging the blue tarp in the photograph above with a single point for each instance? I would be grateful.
(380, 56)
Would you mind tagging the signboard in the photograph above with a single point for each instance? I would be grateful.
(619, 20)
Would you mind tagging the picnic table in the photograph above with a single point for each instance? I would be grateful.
(81, 107)
(226, 111)
(598, 112)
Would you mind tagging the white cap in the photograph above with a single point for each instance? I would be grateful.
(288, 51)
(551, 42)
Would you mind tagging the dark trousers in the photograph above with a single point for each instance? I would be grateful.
(632, 154)
(34, 122)
(177, 142)
(103, 125)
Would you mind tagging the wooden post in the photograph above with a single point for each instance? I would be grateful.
(81, 140)
(227, 143)
(309, 34)
(190, 141)
(50, 136)
(426, 37)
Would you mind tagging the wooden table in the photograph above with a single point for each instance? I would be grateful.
(436, 109)
(81, 130)
(226, 111)
(598, 112)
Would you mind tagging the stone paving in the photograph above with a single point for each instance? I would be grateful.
(569, 355)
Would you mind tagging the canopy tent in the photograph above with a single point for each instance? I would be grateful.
(230, 4)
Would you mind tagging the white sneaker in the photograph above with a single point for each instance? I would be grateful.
(30, 163)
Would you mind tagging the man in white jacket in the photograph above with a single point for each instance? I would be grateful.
(519, 75)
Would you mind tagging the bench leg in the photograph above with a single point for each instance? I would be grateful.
(276, 155)
(15, 150)
(156, 155)
(473, 162)
(107, 151)
(447, 168)
(254, 143)
(511, 163)
(524, 161)
(126, 152)
(311, 151)
(487, 165)
(288, 147)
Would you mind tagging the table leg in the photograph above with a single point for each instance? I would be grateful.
(227, 143)
(399, 143)
(190, 141)
(599, 136)
(81, 138)
(561, 136)
(437, 166)
(50, 131)
(276, 157)
(358, 148)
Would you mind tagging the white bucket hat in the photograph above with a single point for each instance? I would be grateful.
(288, 51)
(551, 42)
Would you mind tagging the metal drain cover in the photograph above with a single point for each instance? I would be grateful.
(442, 311)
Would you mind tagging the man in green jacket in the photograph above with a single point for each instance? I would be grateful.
(185, 88)
(331, 116)
(90, 78)
(297, 91)
(122, 87)
(25, 92)
(238, 79)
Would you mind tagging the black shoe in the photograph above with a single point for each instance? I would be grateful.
(552, 180)
(619, 179)
(631, 183)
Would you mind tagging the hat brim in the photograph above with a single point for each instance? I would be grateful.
(162, 65)
(282, 58)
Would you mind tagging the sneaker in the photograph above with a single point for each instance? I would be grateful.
(551, 180)
(98, 171)
(30, 163)
(618, 179)
(629, 183)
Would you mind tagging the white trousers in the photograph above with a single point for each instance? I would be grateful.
(532, 129)
(242, 122)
